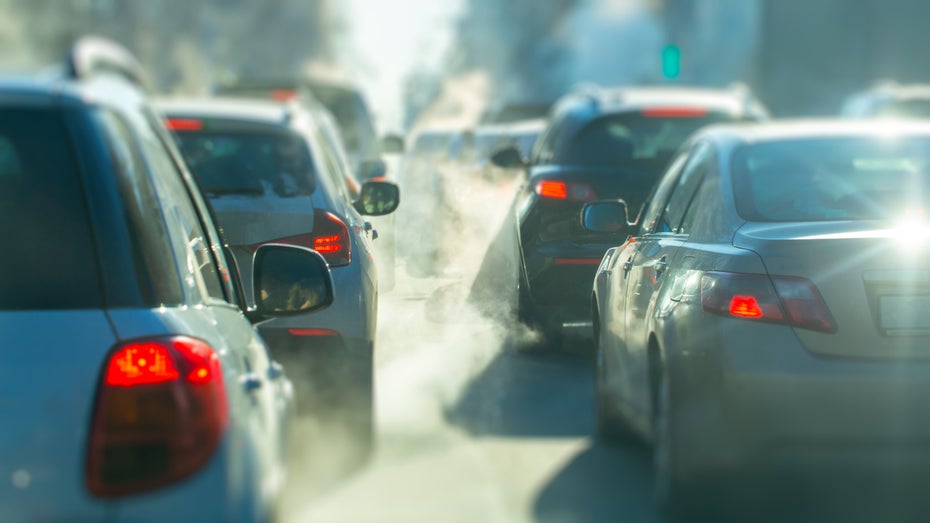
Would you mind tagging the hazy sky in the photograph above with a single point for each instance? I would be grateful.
(389, 39)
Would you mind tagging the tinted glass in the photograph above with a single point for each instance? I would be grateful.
(833, 179)
(249, 164)
(49, 260)
(632, 139)
(157, 272)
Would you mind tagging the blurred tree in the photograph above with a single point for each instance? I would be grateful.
(185, 44)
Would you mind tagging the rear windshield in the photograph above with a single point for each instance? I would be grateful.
(350, 112)
(833, 179)
(249, 164)
(49, 261)
(630, 139)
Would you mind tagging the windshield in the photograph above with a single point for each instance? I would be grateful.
(249, 164)
(833, 179)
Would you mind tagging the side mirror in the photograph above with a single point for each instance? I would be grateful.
(607, 216)
(378, 198)
(392, 144)
(371, 169)
(290, 280)
(508, 158)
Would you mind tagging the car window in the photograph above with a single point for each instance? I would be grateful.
(249, 164)
(700, 163)
(49, 260)
(143, 213)
(632, 139)
(194, 247)
(832, 179)
(657, 201)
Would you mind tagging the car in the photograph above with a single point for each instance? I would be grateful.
(890, 100)
(343, 116)
(599, 143)
(273, 176)
(136, 386)
(766, 315)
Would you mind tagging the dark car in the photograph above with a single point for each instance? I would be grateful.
(769, 317)
(135, 386)
(602, 143)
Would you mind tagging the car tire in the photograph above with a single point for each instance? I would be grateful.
(675, 495)
(610, 425)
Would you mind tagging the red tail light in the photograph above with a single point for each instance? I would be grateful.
(331, 238)
(183, 124)
(284, 95)
(675, 112)
(779, 299)
(560, 190)
(160, 414)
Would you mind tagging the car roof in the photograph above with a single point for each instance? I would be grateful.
(785, 130)
(592, 102)
(245, 109)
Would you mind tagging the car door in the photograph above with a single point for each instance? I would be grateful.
(614, 328)
(647, 262)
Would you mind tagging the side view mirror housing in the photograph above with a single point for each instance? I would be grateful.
(392, 144)
(378, 198)
(289, 281)
(372, 169)
(508, 158)
(606, 216)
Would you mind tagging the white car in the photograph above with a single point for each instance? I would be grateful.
(272, 175)
(135, 386)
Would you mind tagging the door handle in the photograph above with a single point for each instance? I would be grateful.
(628, 265)
(250, 382)
(661, 266)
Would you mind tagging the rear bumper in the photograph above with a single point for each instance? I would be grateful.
(560, 278)
(751, 396)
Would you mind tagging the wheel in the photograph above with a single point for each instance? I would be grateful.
(674, 494)
(609, 423)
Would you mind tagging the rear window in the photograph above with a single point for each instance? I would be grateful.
(250, 164)
(635, 138)
(833, 179)
(49, 260)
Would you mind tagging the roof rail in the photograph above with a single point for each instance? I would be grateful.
(92, 55)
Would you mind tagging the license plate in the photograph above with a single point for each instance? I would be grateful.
(905, 312)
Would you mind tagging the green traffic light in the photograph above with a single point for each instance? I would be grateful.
(671, 61)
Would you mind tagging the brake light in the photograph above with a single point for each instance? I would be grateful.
(183, 124)
(159, 416)
(312, 332)
(283, 95)
(779, 299)
(331, 238)
(674, 112)
(561, 190)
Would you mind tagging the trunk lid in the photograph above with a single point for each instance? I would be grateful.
(875, 280)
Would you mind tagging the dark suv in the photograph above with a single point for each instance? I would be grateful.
(598, 144)
(135, 387)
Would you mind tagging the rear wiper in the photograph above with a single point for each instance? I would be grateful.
(231, 191)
